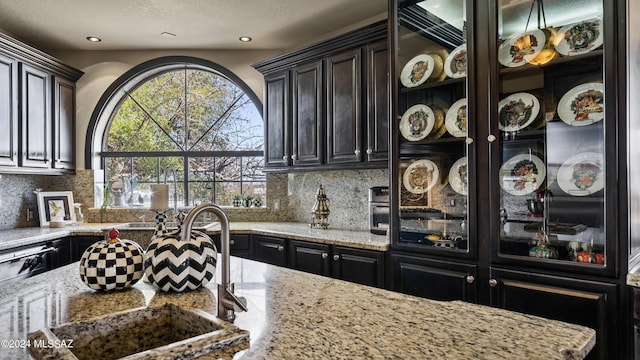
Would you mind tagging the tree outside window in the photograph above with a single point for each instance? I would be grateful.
(194, 120)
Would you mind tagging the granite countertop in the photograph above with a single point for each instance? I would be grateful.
(295, 315)
(300, 231)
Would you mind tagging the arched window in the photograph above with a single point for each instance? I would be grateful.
(194, 117)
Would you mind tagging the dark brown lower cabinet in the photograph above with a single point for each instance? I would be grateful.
(433, 279)
(310, 257)
(360, 266)
(238, 244)
(78, 244)
(583, 302)
(270, 250)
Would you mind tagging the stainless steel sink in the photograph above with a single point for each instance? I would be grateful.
(166, 332)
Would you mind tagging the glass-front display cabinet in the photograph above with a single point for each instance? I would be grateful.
(551, 131)
(432, 127)
(503, 130)
(508, 158)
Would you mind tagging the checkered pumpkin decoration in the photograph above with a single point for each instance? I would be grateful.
(114, 264)
(175, 265)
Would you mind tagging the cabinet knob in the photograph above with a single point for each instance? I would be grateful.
(325, 255)
(280, 248)
(491, 138)
(285, 157)
(369, 151)
(293, 157)
(357, 152)
(470, 279)
(336, 257)
(493, 282)
(232, 242)
(469, 140)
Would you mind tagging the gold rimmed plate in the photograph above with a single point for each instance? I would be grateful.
(517, 111)
(521, 49)
(582, 105)
(417, 71)
(417, 122)
(582, 174)
(420, 176)
(455, 66)
(522, 174)
(579, 38)
(456, 119)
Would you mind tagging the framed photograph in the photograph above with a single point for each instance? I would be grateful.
(55, 205)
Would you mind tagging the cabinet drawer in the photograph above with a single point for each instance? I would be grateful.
(268, 249)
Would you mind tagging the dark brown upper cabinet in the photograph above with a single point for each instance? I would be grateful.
(307, 115)
(8, 111)
(344, 107)
(35, 97)
(327, 105)
(64, 124)
(37, 111)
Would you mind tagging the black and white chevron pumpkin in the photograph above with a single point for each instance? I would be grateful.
(114, 264)
(174, 265)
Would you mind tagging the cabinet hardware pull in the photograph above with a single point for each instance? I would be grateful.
(232, 242)
(469, 140)
(357, 152)
(280, 248)
(491, 138)
(285, 157)
(336, 257)
(470, 279)
(325, 255)
(293, 157)
(369, 151)
(493, 282)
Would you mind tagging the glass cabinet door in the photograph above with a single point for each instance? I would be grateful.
(551, 120)
(431, 125)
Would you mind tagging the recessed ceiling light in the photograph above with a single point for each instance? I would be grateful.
(94, 38)
(168, 34)
(245, 38)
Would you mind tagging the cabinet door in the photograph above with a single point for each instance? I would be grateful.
(378, 94)
(269, 250)
(80, 243)
(556, 128)
(433, 279)
(588, 303)
(310, 257)
(308, 126)
(277, 150)
(64, 124)
(359, 266)
(344, 107)
(8, 111)
(36, 117)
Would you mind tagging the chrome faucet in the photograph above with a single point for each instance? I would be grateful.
(175, 190)
(228, 302)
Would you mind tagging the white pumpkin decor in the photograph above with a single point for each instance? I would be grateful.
(114, 264)
(175, 265)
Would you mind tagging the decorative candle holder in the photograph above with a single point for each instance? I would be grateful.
(320, 210)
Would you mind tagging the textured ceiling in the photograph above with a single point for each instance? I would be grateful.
(198, 24)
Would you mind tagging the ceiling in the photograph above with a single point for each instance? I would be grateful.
(197, 24)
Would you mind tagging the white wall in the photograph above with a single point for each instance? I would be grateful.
(102, 68)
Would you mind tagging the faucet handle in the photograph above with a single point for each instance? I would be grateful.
(237, 303)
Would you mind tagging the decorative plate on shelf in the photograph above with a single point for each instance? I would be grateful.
(417, 71)
(522, 174)
(456, 119)
(517, 111)
(521, 49)
(582, 105)
(582, 174)
(458, 176)
(455, 66)
(579, 38)
(417, 122)
(420, 176)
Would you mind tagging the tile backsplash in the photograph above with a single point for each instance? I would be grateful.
(291, 194)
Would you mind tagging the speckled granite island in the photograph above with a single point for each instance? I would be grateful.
(295, 315)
